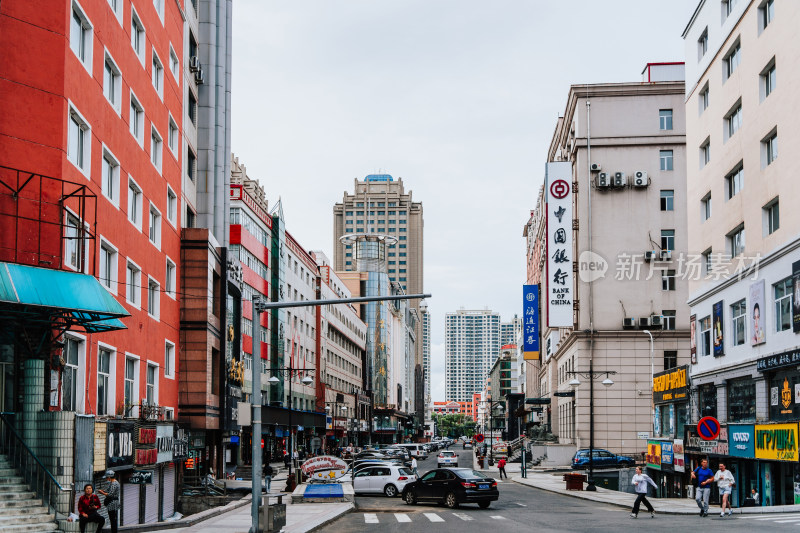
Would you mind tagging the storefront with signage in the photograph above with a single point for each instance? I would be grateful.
(670, 403)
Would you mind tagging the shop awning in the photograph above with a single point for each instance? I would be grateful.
(65, 298)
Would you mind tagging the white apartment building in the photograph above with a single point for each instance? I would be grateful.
(741, 103)
(472, 343)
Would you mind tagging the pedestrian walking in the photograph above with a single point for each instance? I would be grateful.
(88, 504)
(725, 482)
(640, 480)
(286, 459)
(501, 466)
(414, 465)
(268, 473)
(111, 500)
(704, 477)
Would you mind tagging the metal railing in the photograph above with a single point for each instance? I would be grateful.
(54, 496)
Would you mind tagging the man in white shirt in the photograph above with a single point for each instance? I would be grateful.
(725, 482)
(640, 480)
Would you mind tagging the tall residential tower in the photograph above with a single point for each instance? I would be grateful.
(472, 343)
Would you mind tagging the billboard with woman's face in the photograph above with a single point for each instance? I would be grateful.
(756, 309)
(718, 327)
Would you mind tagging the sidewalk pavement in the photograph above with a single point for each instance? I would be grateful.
(555, 483)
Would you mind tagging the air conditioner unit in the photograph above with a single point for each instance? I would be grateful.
(194, 63)
(603, 180)
(199, 77)
(649, 255)
(628, 323)
(644, 322)
(620, 179)
(595, 167)
(666, 255)
(656, 321)
(640, 179)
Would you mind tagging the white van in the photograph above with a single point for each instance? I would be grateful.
(416, 450)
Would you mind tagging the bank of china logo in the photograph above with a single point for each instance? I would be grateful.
(530, 297)
(591, 266)
(786, 394)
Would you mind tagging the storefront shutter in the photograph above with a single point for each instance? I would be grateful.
(130, 504)
(169, 490)
(151, 502)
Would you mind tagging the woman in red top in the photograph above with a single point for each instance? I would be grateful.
(501, 465)
(88, 504)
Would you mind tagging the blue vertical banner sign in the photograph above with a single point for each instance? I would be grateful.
(530, 322)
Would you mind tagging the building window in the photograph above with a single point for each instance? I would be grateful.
(707, 261)
(169, 279)
(191, 165)
(705, 152)
(133, 280)
(665, 159)
(75, 243)
(110, 177)
(191, 217)
(116, 7)
(667, 239)
(738, 316)
(733, 121)
(727, 8)
(772, 220)
(152, 384)
(668, 318)
(159, 5)
(108, 267)
(169, 359)
(734, 181)
(665, 119)
(137, 35)
(137, 120)
(670, 359)
(69, 374)
(770, 148)
(702, 44)
(173, 136)
(156, 145)
(103, 381)
(705, 336)
(80, 36)
(134, 203)
(172, 206)
(112, 83)
(769, 79)
(153, 291)
(174, 64)
(667, 200)
(191, 108)
(783, 304)
(707, 399)
(131, 386)
(736, 241)
(766, 14)
(705, 207)
(704, 98)
(731, 61)
(742, 400)
(78, 141)
(667, 280)
(158, 75)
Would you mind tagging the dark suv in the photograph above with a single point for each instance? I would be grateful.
(451, 487)
(602, 458)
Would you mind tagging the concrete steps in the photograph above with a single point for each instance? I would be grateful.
(20, 509)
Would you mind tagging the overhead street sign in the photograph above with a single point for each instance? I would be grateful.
(566, 394)
(537, 401)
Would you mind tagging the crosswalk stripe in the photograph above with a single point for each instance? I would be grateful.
(520, 504)
(462, 516)
(402, 517)
(497, 517)
(370, 518)
(433, 517)
(762, 517)
(787, 521)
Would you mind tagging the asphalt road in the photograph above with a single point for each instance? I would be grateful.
(522, 508)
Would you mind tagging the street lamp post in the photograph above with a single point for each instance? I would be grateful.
(290, 371)
(652, 396)
(575, 383)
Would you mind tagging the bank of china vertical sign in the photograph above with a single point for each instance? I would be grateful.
(530, 322)
(560, 285)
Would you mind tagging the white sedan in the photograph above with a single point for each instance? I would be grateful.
(389, 480)
(447, 458)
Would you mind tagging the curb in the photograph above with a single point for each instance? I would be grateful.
(304, 528)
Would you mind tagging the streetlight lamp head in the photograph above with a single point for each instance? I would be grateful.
(328, 408)
(307, 380)
(274, 380)
(574, 383)
(607, 382)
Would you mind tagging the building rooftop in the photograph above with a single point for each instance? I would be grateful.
(379, 177)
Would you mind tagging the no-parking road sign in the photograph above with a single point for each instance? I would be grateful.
(479, 437)
(708, 428)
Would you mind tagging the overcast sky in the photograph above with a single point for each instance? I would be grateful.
(457, 97)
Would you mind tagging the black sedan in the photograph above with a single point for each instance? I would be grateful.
(452, 486)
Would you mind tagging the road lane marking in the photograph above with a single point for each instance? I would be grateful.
(402, 517)
(462, 516)
(497, 517)
(520, 504)
(370, 518)
(433, 517)
(762, 517)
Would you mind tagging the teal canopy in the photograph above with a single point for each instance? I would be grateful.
(66, 297)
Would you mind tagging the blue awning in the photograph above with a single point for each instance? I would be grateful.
(67, 297)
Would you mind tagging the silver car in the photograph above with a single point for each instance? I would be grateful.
(388, 479)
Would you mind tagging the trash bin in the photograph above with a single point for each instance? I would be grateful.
(272, 517)
(574, 481)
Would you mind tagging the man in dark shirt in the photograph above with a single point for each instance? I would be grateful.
(704, 477)
(88, 504)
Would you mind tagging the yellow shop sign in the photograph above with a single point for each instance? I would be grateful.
(777, 442)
